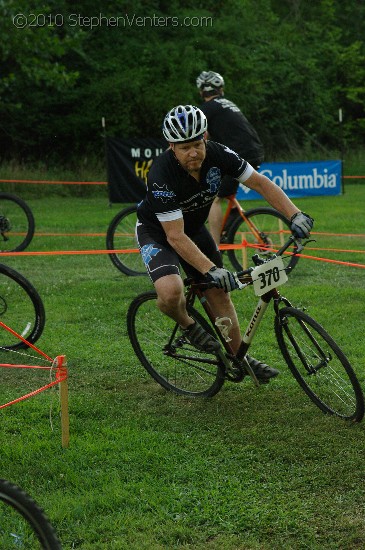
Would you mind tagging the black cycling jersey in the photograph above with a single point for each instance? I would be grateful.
(228, 125)
(171, 190)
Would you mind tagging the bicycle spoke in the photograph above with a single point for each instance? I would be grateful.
(323, 368)
(319, 365)
(264, 232)
(167, 356)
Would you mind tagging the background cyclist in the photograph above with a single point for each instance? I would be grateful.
(226, 125)
(181, 186)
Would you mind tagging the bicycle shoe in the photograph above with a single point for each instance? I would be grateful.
(262, 371)
(200, 338)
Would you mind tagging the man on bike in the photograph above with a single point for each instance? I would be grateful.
(227, 125)
(181, 186)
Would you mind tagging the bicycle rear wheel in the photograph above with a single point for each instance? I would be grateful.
(319, 365)
(174, 363)
(121, 236)
(23, 523)
(21, 309)
(266, 227)
(16, 223)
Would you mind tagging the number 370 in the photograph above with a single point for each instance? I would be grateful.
(269, 277)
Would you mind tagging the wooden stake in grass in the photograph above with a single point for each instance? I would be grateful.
(62, 377)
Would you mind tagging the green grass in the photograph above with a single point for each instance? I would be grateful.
(248, 469)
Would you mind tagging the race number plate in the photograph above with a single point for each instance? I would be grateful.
(269, 275)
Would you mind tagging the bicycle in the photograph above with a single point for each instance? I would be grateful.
(313, 357)
(16, 223)
(263, 228)
(21, 309)
(23, 523)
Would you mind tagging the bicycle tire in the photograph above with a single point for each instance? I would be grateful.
(23, 522)
(319, 365)
(267, 221)
(21, 309)
(121, 236)
(16, 223)
(174, 363)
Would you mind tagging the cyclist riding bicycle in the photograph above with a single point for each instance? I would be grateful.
(227, 125)
(171, 231)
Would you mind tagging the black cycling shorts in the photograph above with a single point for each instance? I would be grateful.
(161, 259)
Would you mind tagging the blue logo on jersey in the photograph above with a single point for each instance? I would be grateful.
(148, 251)
(214, 179)
(162, 193)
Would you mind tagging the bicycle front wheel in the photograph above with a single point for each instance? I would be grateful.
(16, 223)
(21, 309)
(174, 363)
(319, 365)
(23, 523)
(265, 231)
(121, 235)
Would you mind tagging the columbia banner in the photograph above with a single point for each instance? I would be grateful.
(129, 162)
(300, 179)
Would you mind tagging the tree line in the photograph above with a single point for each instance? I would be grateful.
(296, 69)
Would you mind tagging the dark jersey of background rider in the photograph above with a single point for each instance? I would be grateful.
(228, 125)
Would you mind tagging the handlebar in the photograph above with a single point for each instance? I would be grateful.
(258, 260)
(245, 275)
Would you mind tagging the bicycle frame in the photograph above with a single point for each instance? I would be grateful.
(245, 277)
(313, 357)
(252, 325)
(233, 203)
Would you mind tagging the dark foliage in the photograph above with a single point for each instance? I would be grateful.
(289, 64)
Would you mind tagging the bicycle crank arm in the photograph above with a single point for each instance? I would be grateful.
(237, 373)
(250, 372)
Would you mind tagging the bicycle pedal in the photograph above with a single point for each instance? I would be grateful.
(179, 342)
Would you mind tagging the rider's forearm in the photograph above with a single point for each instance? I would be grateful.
(279, 200)
(272, 194)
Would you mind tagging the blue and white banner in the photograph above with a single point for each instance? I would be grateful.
(300, 179)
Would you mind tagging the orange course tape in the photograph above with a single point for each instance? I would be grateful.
(135, 250)
(61, 376)
(31, 394)
(25, 341)
(50, 182)
(57, 182)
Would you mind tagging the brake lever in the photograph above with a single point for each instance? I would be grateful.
(301, 245)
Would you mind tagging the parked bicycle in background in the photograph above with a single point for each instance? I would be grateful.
(16, 223)
(21, 309)
(23, 524)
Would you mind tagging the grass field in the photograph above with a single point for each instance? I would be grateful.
(248, 469)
